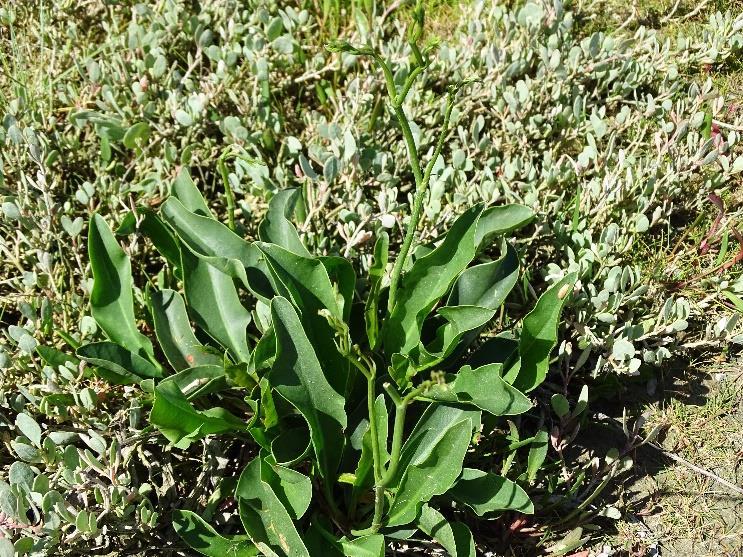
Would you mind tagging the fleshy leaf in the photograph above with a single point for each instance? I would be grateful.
(484, 492)
(436, 420)
(539, 334)
(433, 476)
(200, 381)
(276, 227)
(173, 330)
(427, 281)
(305, 282)
(485, 388)
(454, 537)
(214, 243)
(111, 300)
(297, 376)
(181, 423)
(116, 359)
(364, 476)
(501, 219)
(215, 305)
(187, 193)
(264, 516)
(203, 538)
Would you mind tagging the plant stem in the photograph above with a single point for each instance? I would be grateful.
(420, 191)
(401, 407)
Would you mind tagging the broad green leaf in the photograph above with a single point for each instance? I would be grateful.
(203, 538)
(276, 228)
(484, 492)
(217, 245)
(502, 219)
(303, 280)
(111, 300)
(376, 274)
(215, 305)
(297, 376)
(433, 476)
(187, 193)
(436, 420)
(539, 334)
(181, 423)
(264, 516)
(200, 381)
(306, 283)
(487, 285)
(485, 388)
(152, 227)
(460, 320)
(293, 488)
(126, 365)
(173, 330)
(426, 283)
(372, 545)
(454, 537)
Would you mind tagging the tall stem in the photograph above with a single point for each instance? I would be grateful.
(421, 183)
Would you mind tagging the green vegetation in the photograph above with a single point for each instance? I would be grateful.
(329, 277)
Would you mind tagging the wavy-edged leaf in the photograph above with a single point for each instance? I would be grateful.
(181, 423)
(264, 516)
(376, 274)
(187, 193)
(297, 376)
(436, 420)
(124, 366)
(201, 537)
(305, 282)
(214, 243)
(484, 492)
(111, 300)
(151, 226)
(501, 219)
(454, 537)
(433, 476)
(460, 320)
(485, 388)
(215, 305)
(539, 334)
(487, 285)
(173, 330)
(276, 228)
(427, 281)
(293, 488)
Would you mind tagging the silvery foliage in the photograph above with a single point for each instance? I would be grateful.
(613, 117)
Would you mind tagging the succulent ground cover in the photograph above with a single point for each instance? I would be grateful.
(616, 127)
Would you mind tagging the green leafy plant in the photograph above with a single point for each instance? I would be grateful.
(363, 398)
